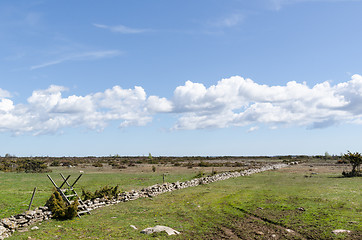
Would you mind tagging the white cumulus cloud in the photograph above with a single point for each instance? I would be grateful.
(238, 102)
(47, 111)
(233, 101)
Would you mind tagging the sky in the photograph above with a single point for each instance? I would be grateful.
(180, 78)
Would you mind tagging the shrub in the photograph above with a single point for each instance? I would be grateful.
(60, 209)
(342, 161)
(355, 159)
(153, 169)
(189, 165)
(87, 195)
(55, 163)
(31, 166)
(200, 174)
(105, 192)
(204, 164)
(97, 164)
(66, 163)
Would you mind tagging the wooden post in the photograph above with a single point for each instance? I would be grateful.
(65, 181)
(163, 178)
(76, 180)
(55, 185)
(31, 201)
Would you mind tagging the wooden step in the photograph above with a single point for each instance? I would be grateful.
(82, 212)
(72, 195)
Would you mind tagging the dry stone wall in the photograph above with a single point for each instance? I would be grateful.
(23, 220)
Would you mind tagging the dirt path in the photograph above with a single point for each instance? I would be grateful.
(255, 227)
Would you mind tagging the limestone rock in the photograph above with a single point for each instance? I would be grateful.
(159, 228)
(4, 233)
(8, 223)
(338, 231)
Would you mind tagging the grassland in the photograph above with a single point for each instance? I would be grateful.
(260, 206)
(16, 188)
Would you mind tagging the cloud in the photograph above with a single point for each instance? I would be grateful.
(47, 111)
(230, 21)
(6, 105)
(234, 101)
(121, 29)
(237, 101)
(156, 104)
(252, 129)
(4, 94)
(79, 57)
(278, 4)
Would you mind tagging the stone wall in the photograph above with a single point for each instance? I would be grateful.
(21, 221)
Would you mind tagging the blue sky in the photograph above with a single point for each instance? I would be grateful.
(206, 77)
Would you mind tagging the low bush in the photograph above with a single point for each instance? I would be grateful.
(104, 192)
(31, 166)
(200, 174)
(204, 164)
(60, 209)
(97, 164)
(55, 163)
(342, 161)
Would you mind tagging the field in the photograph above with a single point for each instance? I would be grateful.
(307, 201)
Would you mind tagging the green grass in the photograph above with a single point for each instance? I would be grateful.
(202, 212)
(16, 188)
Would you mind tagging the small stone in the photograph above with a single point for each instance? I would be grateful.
(30, 212)
(2, 230)
(259, 233)
(35, 228)
(273, 235)
(301, 209)
(38, 211)
(133, 226)
(338, 231)
(8, 223)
